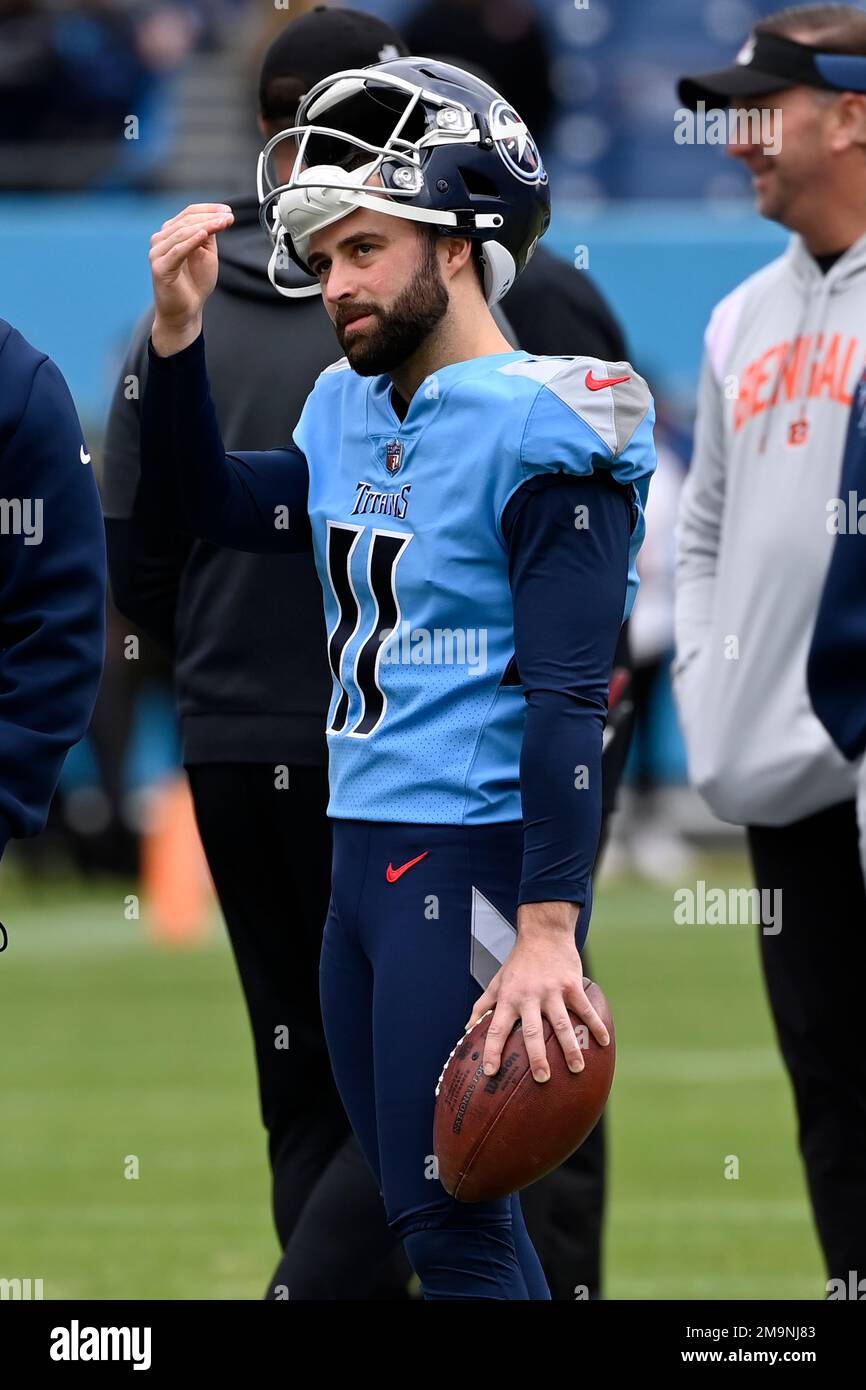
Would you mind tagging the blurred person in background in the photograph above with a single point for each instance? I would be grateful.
(72, 76)
(52, 583)
(645, 839)
(253, 686)
(106, 798)
(504, 37)
(784, 353)
(837, 657)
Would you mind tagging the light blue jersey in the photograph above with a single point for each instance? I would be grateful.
(406, 519)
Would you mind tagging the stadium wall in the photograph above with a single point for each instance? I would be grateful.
(662, 265)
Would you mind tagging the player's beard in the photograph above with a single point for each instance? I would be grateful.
(399, 331)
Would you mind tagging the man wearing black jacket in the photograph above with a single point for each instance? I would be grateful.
(52, 583)
(253, 689)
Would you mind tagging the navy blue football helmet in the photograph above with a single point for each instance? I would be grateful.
(416, 139)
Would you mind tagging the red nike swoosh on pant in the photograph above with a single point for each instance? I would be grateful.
(393, 874)
(596, 384)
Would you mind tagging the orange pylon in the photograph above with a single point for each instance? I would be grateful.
(176, 883)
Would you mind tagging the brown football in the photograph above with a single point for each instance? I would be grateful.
(493, 1135)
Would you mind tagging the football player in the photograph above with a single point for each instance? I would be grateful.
(475, 514)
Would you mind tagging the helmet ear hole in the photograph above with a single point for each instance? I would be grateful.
(479, 184)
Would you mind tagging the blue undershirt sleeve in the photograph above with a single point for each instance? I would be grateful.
(568, 543)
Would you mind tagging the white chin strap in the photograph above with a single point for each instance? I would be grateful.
(323, 194)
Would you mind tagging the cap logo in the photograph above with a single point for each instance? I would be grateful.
(747, 52)
(515, 146)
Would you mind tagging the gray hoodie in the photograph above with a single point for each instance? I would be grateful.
(783, 354)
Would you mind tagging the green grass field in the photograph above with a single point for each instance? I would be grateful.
(111, 1047)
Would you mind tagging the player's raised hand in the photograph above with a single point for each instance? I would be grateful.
(184, 265)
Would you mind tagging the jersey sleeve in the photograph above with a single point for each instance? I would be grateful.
(590, 416)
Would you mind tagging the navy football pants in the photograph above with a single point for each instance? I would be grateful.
(403, 962)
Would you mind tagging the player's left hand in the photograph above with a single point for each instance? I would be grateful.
(542, 976)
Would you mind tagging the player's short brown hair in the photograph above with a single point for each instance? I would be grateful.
(836, 28)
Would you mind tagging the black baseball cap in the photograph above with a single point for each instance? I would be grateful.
(316, 44)
(771, 63)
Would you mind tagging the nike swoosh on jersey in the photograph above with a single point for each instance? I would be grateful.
(83, 455)
(597, 384)
(393, 874)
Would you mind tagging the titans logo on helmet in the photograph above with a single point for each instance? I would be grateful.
(515, 146)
